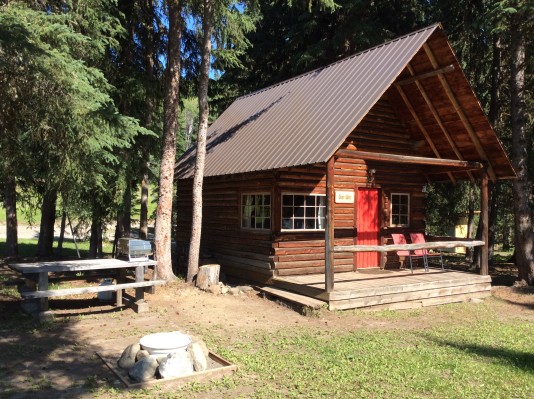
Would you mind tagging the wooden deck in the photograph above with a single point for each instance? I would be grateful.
(389, 289)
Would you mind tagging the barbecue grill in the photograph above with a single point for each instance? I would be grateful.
(134, 249)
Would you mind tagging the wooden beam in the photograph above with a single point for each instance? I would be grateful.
(460, 111)
(89, 290)
(378, 156)
(416, 78)
(329, 228)
(408, 247)
(421, 127)
(438, 118)
(484, 251)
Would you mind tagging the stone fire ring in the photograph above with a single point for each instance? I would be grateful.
(218, 367)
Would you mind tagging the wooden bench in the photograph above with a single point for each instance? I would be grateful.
(37, 287)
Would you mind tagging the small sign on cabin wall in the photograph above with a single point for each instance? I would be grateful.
(344, 197)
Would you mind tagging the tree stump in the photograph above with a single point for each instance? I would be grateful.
(208, 275)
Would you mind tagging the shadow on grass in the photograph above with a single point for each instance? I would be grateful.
(48, 360)
(521, 360)
(72, 307)
(523, 291)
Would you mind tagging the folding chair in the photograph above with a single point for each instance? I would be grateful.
(400, 239)
(419, 238)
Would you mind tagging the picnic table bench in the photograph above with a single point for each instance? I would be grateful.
(36, 293)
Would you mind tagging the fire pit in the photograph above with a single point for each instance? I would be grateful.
(165, 357)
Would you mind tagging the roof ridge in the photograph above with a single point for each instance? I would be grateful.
(433, 26)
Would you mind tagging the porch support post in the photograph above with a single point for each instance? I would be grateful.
(484, 250)
(329, 227)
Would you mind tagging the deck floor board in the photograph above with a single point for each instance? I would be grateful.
(379, 287)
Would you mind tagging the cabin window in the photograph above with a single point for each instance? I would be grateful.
(400, 210)
(256, 211)
(303, 212)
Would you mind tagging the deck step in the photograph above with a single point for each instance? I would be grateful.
(294, 298)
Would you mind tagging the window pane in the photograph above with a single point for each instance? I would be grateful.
(310, 224)
(267, 223)
(298, 200)
(287, 223)
(310, 212)
(287, 200)
(298, 224)
(299, 212)
(321, 200)
(321, 223)
(287, 212)
(254, 213)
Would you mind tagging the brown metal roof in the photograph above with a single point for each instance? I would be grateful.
(303, 120)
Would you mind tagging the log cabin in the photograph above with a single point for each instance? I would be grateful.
(338, 158)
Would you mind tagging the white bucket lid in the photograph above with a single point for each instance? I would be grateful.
(165, 340)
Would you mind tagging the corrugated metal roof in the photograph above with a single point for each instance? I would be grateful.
(303, 120)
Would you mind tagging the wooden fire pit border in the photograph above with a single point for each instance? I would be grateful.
(226, 369)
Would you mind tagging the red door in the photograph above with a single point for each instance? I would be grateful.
(368, 217)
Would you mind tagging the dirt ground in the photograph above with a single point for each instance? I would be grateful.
(59, 360)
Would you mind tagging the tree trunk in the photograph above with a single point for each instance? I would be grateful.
(48, 219)
(524, 235)
(149, 110)
(143, 218)
(10, 203)
(196, 224)
(125, 218)
(493, 116)
(470, 220)
(162, 239)
(494, 192)
(95, 242)
(59, 248)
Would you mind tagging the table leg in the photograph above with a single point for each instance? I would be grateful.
(140, 305)
(42, 285)
(139, 277)
(118, 294)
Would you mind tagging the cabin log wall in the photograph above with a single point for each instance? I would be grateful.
(243, 252)
(258, 255)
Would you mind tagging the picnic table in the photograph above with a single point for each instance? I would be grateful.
(36, 293)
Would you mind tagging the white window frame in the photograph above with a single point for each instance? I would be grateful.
(242, 209)
(407, 195)
(304, 217)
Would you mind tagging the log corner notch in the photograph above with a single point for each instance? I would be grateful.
(329, 228)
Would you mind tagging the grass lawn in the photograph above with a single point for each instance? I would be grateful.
(468, 350)
(484, 360)
(28, 247)
(483, 357)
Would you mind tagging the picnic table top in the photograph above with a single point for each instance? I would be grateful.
(77, 265)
